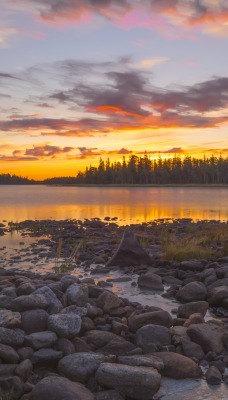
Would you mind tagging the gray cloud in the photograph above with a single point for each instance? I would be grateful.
(47, 151)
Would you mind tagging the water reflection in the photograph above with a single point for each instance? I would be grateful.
(130, 205)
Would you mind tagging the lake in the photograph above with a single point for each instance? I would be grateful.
(129, 204)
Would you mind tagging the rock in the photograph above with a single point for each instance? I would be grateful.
(8, 354)
(192, 265)
(108, 395)
(217, 283)
(54, 305)
(136, 382)
(24, 370)
(129, 252)
(77, 295)
(196, 318)
(108, 301)
(193, 291)
(12, 337)
(80, 367)
(151, 337)
(34, 321)
(25, 288)
(185, 310)
(178, 366)
(100, 339)
(191, 349)
(41, 340)
(150, 281)
(7, 369)
(65, 346)
(46, 356)
(222, 271)
(81, 311)
(5, 302)
(30, 302)
(163, 318)
(217, 295)
(9, 319)
(208, 335)
(213, 376)
(11, 387)
(25, 352)
(117, 347)
(64, 325)
(145, 360)
(59, 388)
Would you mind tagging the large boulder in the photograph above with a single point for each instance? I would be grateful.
(136, 382)
(163, 318)
(150, 281)
(178, 366)
(65, 325)
(129, 252)
(152, 337)
(80, 367)
(185, 310)
(193, 291)
(208, 335)
(59, 388)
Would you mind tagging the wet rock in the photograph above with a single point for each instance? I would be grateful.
(108, 301)
(80, 367)
(34, 321)
(150, 281)
(129, 252)
(8, 354)
(40, 340)
(136, 321)
(54, 305)
(30, 302)
(209, 336)
(9, 319)
(145, 360)
(152, 337)
(185, 310)
(213, 376)
(64, 325)
(193, 291)
(136, 382)
(77, 295)
(12, 337)
(59, 388)
(178, 366)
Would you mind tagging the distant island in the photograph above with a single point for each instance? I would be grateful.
(141, 171)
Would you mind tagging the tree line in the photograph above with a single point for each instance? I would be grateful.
(142, 170)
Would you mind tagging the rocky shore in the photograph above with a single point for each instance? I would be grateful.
(64, 336)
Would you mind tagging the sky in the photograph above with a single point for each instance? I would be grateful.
(84, 79)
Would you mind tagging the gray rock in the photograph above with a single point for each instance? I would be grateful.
(163, 318)
(9, 319)
(185, 310)
(102, 338)
(81, 311)
(108, 301)
(5, 302)
(178, 366)
(145, 360)
(152, 337)
(209, 336)
(11, 387)
(80, 367)
(34, 321)
(217, 295)
(54, 305)
(59, 388)
(150, 281)
(136, 382)
(65, 346)
(191, 349)
(193, 291)
(30, 302)
(24, 370)
(108, 395)
(25, 288)
(8, 354)
(213, 376)
(64, 325)
(77, 295)
(129, 252)
(12, 337)
(217, 283)
(46, 356)
(192, 265)
(40, 340)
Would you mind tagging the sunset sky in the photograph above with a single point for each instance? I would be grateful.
(84, 79)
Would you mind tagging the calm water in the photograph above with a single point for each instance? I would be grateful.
(130, 205)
